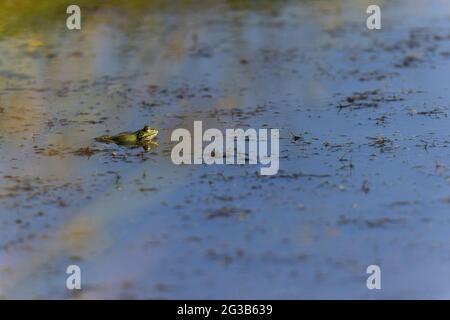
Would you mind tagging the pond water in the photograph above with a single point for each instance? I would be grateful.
(364, 143)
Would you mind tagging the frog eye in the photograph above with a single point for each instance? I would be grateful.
(146, 128)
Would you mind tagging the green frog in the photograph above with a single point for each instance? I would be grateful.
(141, 137)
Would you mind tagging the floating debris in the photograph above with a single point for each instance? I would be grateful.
(433, 112)
(381, 142)
(227, 212)
(365, 187)
(86, 152)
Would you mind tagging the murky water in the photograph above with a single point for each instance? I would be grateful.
(364, 182)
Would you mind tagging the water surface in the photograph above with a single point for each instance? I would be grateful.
(365, 182)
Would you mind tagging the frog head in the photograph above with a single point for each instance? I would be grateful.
(147, 133)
